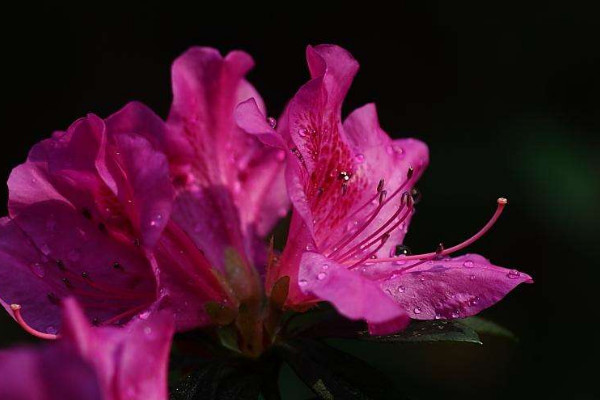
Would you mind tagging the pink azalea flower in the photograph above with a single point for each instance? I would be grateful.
(352, 188)
(90, 218)
(107, 363)
(230, 187)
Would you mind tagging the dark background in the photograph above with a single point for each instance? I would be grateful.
(507, 97)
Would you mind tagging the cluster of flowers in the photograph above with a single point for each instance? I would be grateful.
(124, 230)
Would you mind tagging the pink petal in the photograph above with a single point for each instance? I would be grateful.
(50, 251)
(252, 120)
(50, 373)
(452, 288)
(139, 177)
(383, 158)
(353, 295)
(131, 361)
(230, 186)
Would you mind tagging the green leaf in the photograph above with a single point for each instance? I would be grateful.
(487, 327)
(333, 374)
(429, 331)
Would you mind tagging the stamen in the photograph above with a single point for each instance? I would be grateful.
(16, 309)
(384, 239)
(406, 201)
(428, 256)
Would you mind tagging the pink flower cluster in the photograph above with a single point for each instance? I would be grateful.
(123, 230)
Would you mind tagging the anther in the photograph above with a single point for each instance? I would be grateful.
(428, 256)
(416, 195)
(16, 309)
(440, 249)
(382, 195)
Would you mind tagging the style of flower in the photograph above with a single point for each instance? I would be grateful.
(353, 195)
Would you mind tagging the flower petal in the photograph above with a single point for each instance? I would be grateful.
(452, 288)
(353, 295)
(131, 361)
(50, 251)
(50, 373)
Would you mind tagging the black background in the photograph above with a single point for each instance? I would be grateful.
(506, 96)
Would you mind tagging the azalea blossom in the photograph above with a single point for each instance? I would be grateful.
(107, 363)
(124, 230)
(352, 188)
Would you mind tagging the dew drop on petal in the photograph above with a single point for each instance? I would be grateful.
(147, 330)
(401, 289)
(310, 247)
(359, 158)
(272, 122)
(325, 266)
(145, 314)
(472, 277)
(38, 269)
(513, 274)
(321, 276)
(468, 264)
(438, 316)
(45, 249)
(455, 314)
(302, 282)
(417, 310)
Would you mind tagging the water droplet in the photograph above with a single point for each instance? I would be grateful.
(325, 266)
(51, 330)
(472, 277)
(474, 301)
(359, 158)
(438, 316)
(455, 313)
(147, 330)
(513, 274)
(417, 310)
(422, 279)
(302, 282)
(45, 249)
(398, 150)
(401, 289)
(400, 250)
(272, 122)
(38, 269)
(310, 247)
(468, 264)
(145, 314)
(321, 276)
